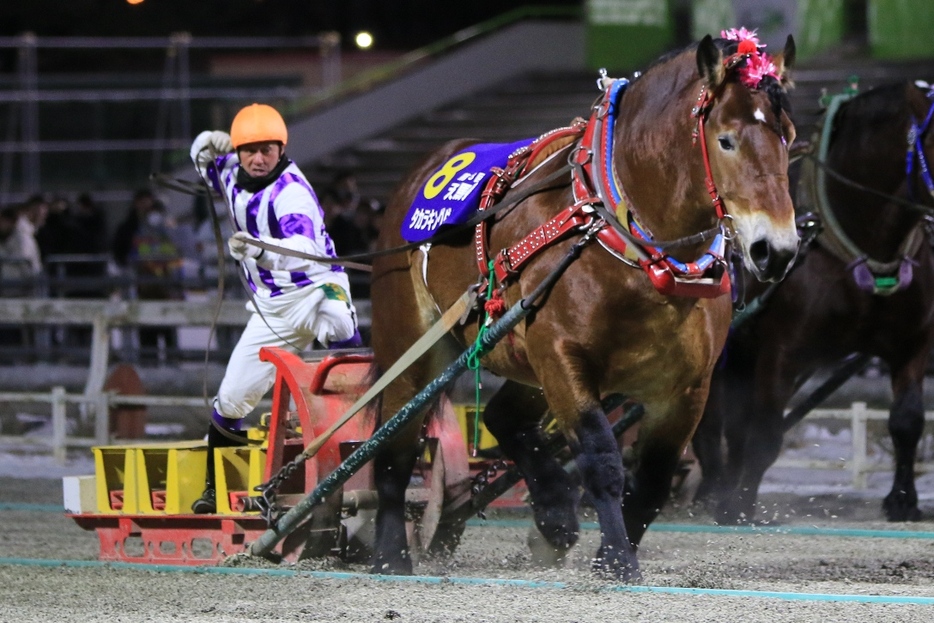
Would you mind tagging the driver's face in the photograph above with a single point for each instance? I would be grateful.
(258, 159)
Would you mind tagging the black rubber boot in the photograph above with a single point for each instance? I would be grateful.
(207, 503)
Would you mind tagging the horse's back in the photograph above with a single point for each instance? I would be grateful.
(405, 192)
(402, 309)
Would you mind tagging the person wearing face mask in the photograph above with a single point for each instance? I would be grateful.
(294, 301)
(144, 245)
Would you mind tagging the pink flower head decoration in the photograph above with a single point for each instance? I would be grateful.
(758, 64)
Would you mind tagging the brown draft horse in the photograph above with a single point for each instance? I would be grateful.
(866, 286)
(603, 328)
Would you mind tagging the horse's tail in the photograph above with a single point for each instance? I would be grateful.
(374, 407)
(373, 410)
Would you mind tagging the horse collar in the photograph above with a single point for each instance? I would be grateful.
(597, 193)
(870, 275)
(594, 180)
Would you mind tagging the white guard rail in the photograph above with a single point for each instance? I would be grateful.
(858, 414)
(104, 316)
(859, 463)
(101, 403)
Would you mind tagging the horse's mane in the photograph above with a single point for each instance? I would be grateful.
(881, 103)
(869, 110)
(778, 96)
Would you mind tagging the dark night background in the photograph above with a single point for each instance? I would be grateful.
(397, 25)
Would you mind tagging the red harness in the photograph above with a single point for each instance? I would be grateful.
(508, 262)
(591, 185)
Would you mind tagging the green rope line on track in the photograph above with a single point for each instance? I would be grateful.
(421, 579)
(655, 527)
(702, 529)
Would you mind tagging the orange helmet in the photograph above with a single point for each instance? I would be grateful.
(257, 123)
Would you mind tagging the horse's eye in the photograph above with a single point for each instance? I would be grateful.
(726, 143)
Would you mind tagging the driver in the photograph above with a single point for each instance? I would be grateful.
(294, 301)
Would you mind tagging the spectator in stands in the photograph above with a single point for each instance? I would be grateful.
(29, 217)
(85, 242)
(19, 265)
(122, 245)
(88, 227)
(347, 236)
(372, 221)
(144, 244)
(19, 244)
(53, 233)
(19, 253)
(353, 222)
(295, 301)
(184, 228)
(206, 243)
(81, 235)
(342, 207)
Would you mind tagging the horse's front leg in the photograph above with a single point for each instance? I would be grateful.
(601, 468)
(707, 443)
(575, 404)
(906, 425)
(754, 453)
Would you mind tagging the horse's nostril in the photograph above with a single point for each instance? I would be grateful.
(759, 254)
(771, 263)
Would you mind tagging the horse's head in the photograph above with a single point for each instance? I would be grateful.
(743, 115)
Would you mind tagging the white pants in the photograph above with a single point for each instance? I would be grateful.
(286, 321)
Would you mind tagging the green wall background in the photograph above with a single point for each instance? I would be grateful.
(901, 28)
(628, 34)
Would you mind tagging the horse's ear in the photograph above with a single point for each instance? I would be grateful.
(784, 61)
(916, 93)
(710, 62)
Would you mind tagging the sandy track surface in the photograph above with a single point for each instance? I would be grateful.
(716, 568)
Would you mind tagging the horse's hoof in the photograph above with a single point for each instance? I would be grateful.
(559, 529)
(617, 566)
(727, 514)
(911, 514)
(385, 567)
(544, 553)
(900, 507)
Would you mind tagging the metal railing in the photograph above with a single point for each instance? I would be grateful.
(105, 316)
(172, 124)
(96, 406)
(94, 277)
(859, 463)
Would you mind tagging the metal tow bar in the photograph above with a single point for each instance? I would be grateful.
(496, 332)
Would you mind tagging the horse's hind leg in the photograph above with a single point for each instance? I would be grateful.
(513, 416)
(399, 319)
(708, 443)
(663, 435)
(906, 425)
(393, 463)
(392, 470)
